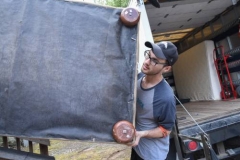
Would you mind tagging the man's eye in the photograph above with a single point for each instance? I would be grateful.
(155, 61)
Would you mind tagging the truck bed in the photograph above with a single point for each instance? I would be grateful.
(208, 114)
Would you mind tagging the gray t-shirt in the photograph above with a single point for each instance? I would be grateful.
(156, 106)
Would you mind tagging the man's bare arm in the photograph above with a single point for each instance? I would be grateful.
(154, 133)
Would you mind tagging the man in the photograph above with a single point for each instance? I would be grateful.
(156, 104)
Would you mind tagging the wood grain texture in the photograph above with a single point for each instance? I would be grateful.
(203, 111)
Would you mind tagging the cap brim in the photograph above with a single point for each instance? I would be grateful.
(148, 44)
(156, 50)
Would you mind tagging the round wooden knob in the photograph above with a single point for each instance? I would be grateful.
(123, 132)
(129, 17)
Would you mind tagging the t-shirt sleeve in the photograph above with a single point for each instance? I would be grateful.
(165, 112)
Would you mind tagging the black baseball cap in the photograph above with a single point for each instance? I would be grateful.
(164, 50)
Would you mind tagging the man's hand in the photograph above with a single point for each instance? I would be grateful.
(138, 135)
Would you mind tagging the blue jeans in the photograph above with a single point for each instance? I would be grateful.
(135, 156)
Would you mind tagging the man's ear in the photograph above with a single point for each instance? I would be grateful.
(167, 69)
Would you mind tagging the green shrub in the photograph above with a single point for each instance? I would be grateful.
(113, 3)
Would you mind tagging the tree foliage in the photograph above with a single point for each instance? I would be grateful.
(113, 3)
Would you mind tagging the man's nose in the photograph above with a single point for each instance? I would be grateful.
(147, 60)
